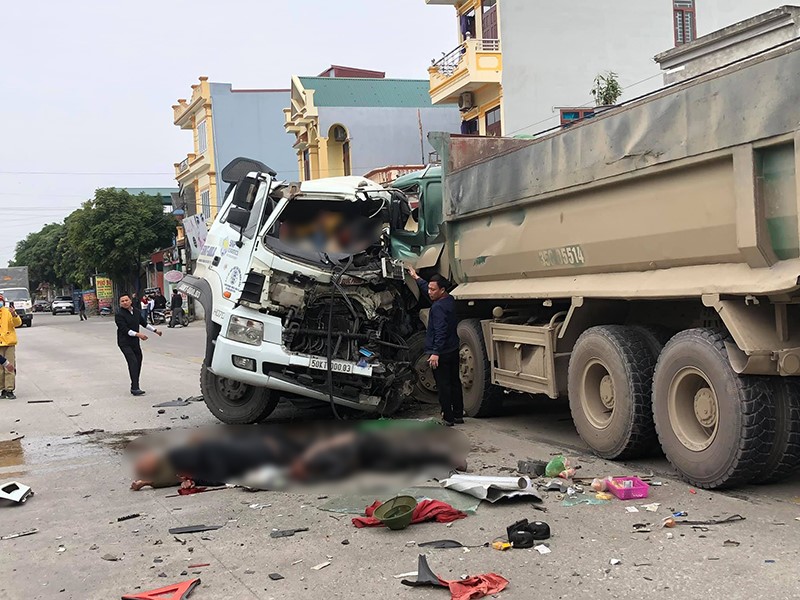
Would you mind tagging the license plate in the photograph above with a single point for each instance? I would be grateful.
(338, 366)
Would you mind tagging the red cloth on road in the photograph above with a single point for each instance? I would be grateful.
(476, 586)
(191, 490)
(427, 510)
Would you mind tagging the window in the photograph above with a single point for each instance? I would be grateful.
(306, 165)
(776, 188)
(574, 115)
(685, 23)
(205, 203)
(202, 137)
(469, 127)
(493, 125)
(467, 25)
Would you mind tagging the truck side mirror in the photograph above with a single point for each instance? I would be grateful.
(238, 216)
(245, 193)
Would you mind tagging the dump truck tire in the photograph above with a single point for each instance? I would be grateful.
(609, 381)
(481, 398)
(715, 427)
(784, 456)
(424, 385)
(233, 402)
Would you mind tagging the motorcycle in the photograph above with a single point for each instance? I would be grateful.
(183, 319)
(158, 316)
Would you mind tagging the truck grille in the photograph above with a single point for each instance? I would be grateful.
(253, 286)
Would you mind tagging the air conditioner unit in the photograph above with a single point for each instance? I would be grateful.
(339, 134)
(466, 101)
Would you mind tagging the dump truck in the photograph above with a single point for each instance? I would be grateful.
(302, 298)
(645, 264)
(15, 287)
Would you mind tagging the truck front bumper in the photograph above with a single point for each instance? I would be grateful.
(264, 363)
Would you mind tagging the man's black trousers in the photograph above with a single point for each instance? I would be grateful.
(449, 386)
(133, 356)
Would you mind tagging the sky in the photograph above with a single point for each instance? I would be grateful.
(87, 86)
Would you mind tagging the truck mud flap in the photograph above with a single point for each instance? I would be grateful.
(200, 290)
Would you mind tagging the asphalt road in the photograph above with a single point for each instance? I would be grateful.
(81, 482)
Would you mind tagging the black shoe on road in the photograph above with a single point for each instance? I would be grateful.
(138, 392)
(458, 421)
(9, 395)
(2, 393)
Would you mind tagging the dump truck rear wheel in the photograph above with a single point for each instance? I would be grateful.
(714, 426)
(234, 402)
(609, 379)
(481, 398)
(784, 457)
(424, 384)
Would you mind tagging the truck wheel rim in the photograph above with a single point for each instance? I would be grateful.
(598, 398)
(424, 374)
(232, 391)
(693, 409)
(466, 366)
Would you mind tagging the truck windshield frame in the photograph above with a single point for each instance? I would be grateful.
(15, 294)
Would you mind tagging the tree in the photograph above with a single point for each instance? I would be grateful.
(70, 267)
(606, 89)
(115, 230)
(38, 251)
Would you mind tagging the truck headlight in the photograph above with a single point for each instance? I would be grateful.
(245, 331)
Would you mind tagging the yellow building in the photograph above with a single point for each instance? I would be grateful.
(197, 173)
(470, 75)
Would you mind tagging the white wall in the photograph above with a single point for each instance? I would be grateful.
(716, 14)
(552, 52)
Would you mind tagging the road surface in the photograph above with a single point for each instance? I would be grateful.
(81, 483)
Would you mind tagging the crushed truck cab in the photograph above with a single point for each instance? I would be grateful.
(302, 298)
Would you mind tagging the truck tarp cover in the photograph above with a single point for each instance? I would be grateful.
(737, 105)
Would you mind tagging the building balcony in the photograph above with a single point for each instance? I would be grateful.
(470, 66)
(192, 164)
(182, 111)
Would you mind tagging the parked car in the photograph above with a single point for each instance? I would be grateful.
(41, 306)
(63, 304)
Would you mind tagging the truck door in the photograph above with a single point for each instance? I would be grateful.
(409, 242)
(233, 236)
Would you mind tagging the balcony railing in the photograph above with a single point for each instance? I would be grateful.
(183, 165)
(449, 63)
(469, 66)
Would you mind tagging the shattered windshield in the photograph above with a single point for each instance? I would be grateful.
(332, 226)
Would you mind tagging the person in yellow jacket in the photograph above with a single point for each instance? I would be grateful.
(9, 321)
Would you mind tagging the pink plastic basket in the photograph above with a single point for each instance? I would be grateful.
(638, 489)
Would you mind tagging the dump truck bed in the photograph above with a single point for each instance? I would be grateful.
(688, 191)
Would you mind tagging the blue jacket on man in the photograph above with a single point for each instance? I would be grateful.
(441, 337)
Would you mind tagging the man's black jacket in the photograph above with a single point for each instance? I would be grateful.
(128, 320)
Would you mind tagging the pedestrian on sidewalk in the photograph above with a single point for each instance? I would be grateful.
(176, 306)
(441, 344)
(151, 305)
(82, 308)
(9, 321)
(128, 319)
(144, 307)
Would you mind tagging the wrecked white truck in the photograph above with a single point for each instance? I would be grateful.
(301, 296)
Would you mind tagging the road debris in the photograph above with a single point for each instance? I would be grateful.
(492, 489)
(194, 529)
(39, 401)
(628, 488)
(178, 402)
(542, 549)
(197, 566)
(127, 517)
(321, 566)
(631, 509)
(275, 576)
(110, 557)
(731, 544)
(475, 586)
(297, 562)
(614, 562)
(281, 533)
(61, 548)
(441, 544)
(14, 492)
(532, 468)
(653, 507)
(427, 510)
(11, 536)
(177, 591)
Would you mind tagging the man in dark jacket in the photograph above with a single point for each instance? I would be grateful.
(176, 306)
(441, 343)
(128, 320)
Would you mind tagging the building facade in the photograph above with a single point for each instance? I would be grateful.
(548, 54)
(470, 75)
(227, 123)
(354, 125)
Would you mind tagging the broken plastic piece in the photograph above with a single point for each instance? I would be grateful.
(11, 536)
(424, 575)
(287, 532)
(178, 591)
(126, 517)
(275, 576)
(321, 565)
(194, 529)
(13, 491)
(177, 402)
(441, 544)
